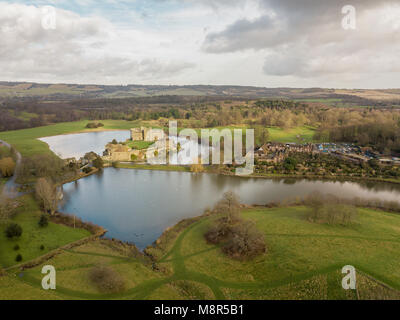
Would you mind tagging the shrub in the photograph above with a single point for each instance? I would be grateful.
(16, 247)
(106, 279)
(134, 157)
(87, 170)
(42, 247)
(18, 258)
(46, 194)
(218, 232)
(245, 242)
(43, 221)
(240, 239)
(98, 163)
(13, 230)
(7, 167)
(290, 164)
(93, 125)
(196, 168)
(330, 210)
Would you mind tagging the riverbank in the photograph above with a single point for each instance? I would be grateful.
(208, 169)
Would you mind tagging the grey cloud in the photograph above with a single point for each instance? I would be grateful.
(304, 38)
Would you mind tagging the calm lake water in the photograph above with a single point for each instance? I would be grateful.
(137, 205)
(76, 145)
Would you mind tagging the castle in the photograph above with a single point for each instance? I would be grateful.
(123, 152)
(147, 134)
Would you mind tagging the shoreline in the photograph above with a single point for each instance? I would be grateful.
(79, 132)
(184, 168)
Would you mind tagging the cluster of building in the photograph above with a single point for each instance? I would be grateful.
(278, 152)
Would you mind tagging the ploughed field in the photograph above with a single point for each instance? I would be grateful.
(303, 261)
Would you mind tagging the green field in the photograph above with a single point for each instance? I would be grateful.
(51, 237)
(139, 145)
(303, 261)
(299, 135)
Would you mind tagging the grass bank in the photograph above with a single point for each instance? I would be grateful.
(153, 167)
(33, 237)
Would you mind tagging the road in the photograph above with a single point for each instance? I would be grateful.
(10, 187)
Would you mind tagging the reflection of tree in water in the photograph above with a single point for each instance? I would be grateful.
(379, 186)
(221, 182)
(290, 181)
(99, 175)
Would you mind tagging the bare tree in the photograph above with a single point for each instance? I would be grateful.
(47, 195)
(229, 205)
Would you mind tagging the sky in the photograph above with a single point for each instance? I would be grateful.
(266, 43)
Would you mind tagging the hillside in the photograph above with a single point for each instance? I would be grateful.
(75, 91)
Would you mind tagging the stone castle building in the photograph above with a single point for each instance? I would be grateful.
(122, 152)
(147, 134)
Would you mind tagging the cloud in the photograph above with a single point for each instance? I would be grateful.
(79, 49)
(304, 38)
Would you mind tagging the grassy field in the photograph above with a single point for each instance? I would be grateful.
(139, 145)
(299, 135)
(303, 261)
(302, 134)
(51, 237)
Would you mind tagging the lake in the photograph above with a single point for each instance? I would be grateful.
(76, 145)
(137, 205)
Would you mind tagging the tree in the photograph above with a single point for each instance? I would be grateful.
(13, 230)
(43, 221)
(7, 167)
(245, 242)
(196, 168)
(98, 163)
(46, 193)
(290, 164)
(229, 205)
(261, 135)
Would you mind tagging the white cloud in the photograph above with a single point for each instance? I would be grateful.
(87, 49)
